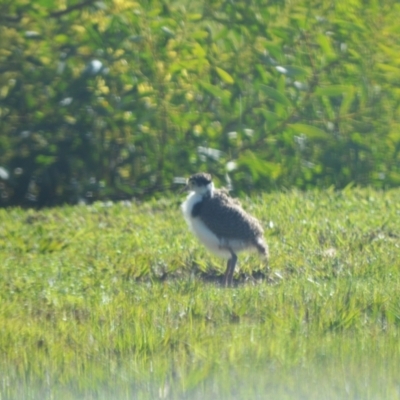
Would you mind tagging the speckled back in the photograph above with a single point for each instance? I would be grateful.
(226, 218)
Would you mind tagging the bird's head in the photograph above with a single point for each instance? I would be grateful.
(200, 183)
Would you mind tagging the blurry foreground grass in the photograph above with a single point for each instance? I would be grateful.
(120, 301)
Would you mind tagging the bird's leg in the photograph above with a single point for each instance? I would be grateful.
(230, 268)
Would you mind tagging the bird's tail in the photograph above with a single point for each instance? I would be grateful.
(262, 247)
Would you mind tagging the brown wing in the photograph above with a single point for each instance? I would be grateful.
(227, 219)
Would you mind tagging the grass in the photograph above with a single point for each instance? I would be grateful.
(120, 301)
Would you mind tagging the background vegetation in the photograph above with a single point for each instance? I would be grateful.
(113, 99)
(117, 301)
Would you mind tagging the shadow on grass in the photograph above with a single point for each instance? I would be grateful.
(210, 276)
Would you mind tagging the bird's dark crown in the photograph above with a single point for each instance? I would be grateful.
(200, 179)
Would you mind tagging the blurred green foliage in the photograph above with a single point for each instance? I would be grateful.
(113, 99)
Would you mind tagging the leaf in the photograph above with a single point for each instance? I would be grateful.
(390, 51)
(309, 130)
(357, 138)
(200, 34)
(347, 101)
(326, 46)
(347, 92)
(328, 107)
(45, 160)
(194, 17)
(259, 167)
(44, 3)
(224, 76)
(274, 94)
(274, 50)
(215, 91)
(333, 90)
(168, 31)
(198, 51)
(136, 38)
(61, 39)
(388, 68)
(271, 117)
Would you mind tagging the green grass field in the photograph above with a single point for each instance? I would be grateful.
(119, 301)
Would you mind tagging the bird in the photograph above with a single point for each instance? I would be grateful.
(220, 222)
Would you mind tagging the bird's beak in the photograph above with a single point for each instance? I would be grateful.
(184, 189)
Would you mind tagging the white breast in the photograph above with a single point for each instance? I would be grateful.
(204, 234)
